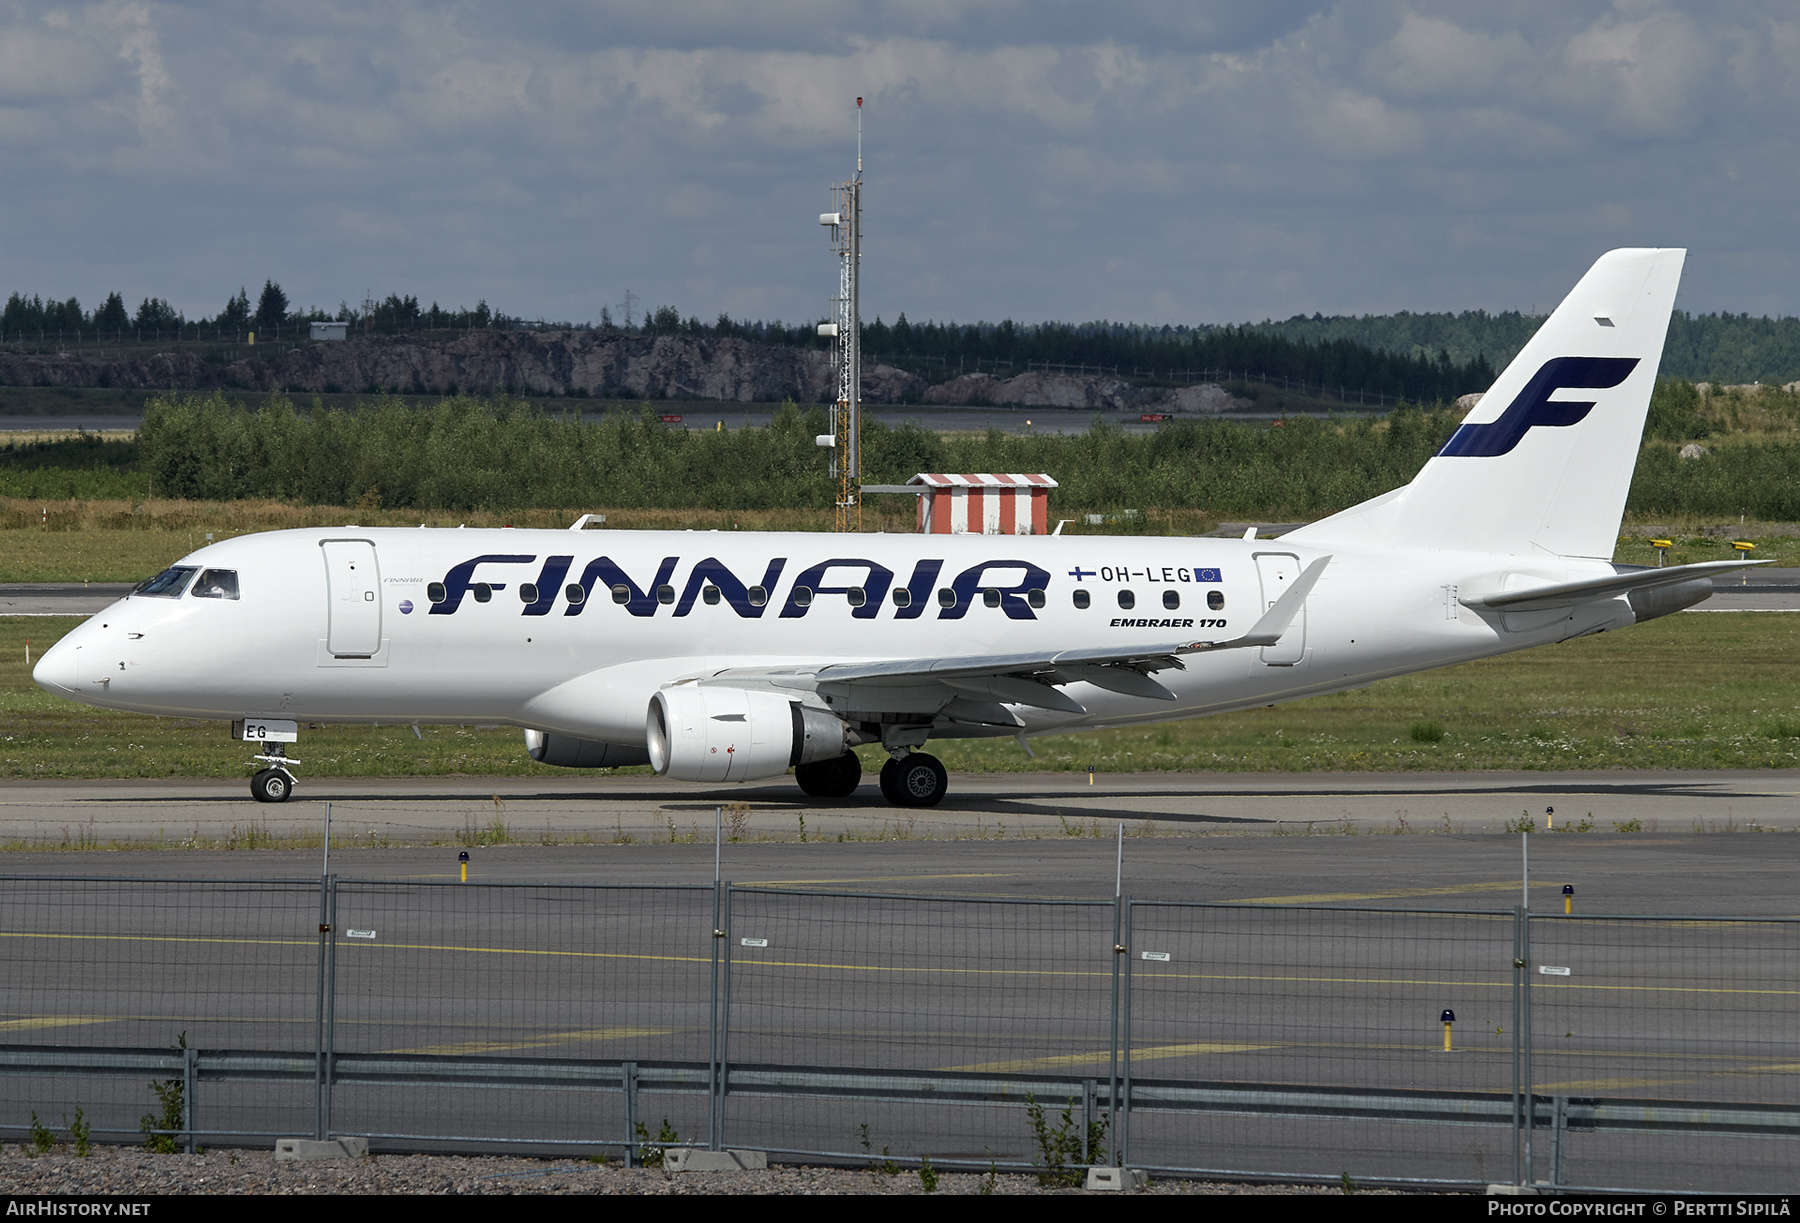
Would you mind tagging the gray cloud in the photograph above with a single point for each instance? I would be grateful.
(1155, 161)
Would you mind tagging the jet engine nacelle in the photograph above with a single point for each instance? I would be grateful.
(736, 734)
(566, 751)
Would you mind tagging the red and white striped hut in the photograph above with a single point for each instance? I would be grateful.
(988, 504)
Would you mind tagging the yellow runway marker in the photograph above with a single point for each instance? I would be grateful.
(537, 1042)
(1149, 1054)
(54, 1021)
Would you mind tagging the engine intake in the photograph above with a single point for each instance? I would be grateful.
(568, 752)
(736, 734)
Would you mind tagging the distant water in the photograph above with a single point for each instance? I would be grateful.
(42, 424)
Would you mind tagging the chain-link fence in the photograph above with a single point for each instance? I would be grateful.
(1277, 1042)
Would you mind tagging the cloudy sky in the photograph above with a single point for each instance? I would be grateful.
(1189, 161)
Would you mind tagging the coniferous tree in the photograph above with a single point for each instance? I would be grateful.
(112, 316)
(271, 307)
(236, 312)
(155, 313)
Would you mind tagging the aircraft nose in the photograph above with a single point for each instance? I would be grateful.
(55, 671)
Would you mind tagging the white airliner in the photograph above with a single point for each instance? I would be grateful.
(733, 657)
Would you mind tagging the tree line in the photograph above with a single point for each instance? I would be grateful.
(35, 315)
(503, 455)
(1423, 357)
(1728, 348)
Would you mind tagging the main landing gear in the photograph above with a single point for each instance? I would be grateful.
(908, 779)
(914, 779)
(273, 784)
(834, 778)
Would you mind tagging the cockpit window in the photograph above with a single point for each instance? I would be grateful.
(217, 584)
(168, 584)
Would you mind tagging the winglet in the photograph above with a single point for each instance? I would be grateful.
(1281, 613)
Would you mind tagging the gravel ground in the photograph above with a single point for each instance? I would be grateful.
(128, 1171)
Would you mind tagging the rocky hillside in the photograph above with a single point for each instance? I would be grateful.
(581, 363)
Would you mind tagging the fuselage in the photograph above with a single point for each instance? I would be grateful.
(574, 632)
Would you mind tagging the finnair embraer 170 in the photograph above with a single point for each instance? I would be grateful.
(718, 658)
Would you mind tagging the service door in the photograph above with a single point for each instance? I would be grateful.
(353, 585)
(1279, 571)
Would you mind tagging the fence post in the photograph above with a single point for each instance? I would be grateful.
(330, 1001)
(1559, 1138)
(1528, 1090)
(1087, 1121)
(319, 1016)
(1125, 1050)
(628, 1087)
(724, 1018)
(1112, 1070)
(190, 1082)
(712, 1061)
(1517, 1048)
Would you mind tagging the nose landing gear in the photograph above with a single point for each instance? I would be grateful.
(273, 784)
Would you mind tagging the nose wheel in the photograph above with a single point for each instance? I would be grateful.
(914, 780)
(272, 786)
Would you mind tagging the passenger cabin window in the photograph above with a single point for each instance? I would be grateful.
(665, 594)
(991, 597)
(1082, 599)
(528, 592)
(903, 597)
(575, 594)
(621, 593)
(1127, 600)
(856, 596)
(168, 584)
(802, 596)
(710, 594)
(1171, 599)
(1215, 599)
(217, 584)
(759, 596)
(435, 592)
(482, 591)
(1035, 598)
(946, 597)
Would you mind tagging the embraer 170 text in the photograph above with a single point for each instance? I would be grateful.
(719, 658)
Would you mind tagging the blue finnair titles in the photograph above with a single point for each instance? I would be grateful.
(1533, 408)
(1011, 585)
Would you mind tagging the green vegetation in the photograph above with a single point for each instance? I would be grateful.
(506, 456)
(1059, 1144)
(1686, 691)
(162, 1128)
(1719, 347)
(500, 455)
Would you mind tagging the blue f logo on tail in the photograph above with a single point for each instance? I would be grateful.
(1534, 407)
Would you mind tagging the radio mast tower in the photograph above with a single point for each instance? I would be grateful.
(845, 439)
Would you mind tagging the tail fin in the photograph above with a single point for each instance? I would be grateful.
(1543, 463)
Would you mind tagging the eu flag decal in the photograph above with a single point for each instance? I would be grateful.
(1207, 575)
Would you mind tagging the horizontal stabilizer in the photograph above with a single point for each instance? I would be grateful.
(1568, 594)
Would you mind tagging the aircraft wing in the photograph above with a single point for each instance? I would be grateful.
(1567, 594)
(1030, 678)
